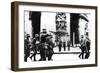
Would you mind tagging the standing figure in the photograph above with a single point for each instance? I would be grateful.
(68, 43)
(26, 47)
(60, 45)
(82, 47)
(64, 45)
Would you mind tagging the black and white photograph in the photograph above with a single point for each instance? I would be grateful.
(54, 36)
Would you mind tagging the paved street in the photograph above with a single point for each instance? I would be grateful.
(66, 55)
(63, 55)
(73, 50)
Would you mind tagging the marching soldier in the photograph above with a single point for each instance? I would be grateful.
(27, 48)
(87, 43)
(82, 47)
(43, 45)
(35, 46)
(50, 47)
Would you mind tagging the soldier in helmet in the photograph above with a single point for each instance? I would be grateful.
(43, 45)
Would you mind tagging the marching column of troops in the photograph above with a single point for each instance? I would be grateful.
(43, 45)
